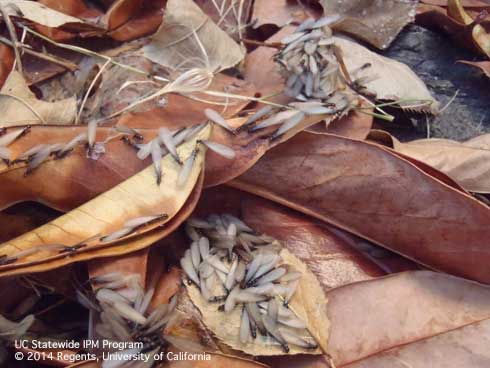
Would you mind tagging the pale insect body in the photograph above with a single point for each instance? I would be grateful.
(5, 153)
(91, 133)
(259, 283)
(167, 139)
(156, 157)
(9, 138)
(220, 149)
(216, 117)
(289, 124)
(186, 169)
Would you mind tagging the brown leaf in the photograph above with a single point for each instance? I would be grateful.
(263, 72)
(183, 111)
(392, 80)
(376, 22)
(366, 190)
(216, 361)
(77, 178)
(144, 22)
(38, 13)
(407, 320)
(355, 125)
(484, 66)
(331, 259)
(136, 197)
(472, 36)
(188, 39)
(467, 163)
(74, 8)
(6, 62)
(120, 12)
(282, 12)
(466, 3)
(20, 106)
(480, 36)
(127, 264)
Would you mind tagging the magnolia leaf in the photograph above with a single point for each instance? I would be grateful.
(391, 79)
(144, 21)
(484, 66)
(40, 13)
(309, 303)
(216, 361)
(480, 36)
(136, 197)
(20, 106)
(467, 163)
(188, 39)
(135, 263)
(6, 62)
(80, 180)
(405, 320)
(379, 200)
(281, 12)
(460, 25)
(374, 21)
(72, 8)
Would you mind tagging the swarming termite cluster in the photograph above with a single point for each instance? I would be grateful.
(234, 267)
(120, 312)
(167, 142)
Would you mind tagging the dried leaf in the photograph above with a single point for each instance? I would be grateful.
(281, 12)
(484, 66)
(20, 106)
(480, 36)
(467, 163)
(470, 35)
(134, 263)
(188, 39)
(479, 4)
(121, 12)
(375, 197)
(406, 320)
(6, 62)
(333, 261)
(40, 13)
(373, 21)
(308, 302)
(393, 80)
(144, 22)
(355, 125)
(73, 8)
(136, 197)
(216, 361)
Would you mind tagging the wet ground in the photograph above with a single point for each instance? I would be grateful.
(433, 57)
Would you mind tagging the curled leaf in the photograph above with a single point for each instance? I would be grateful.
(466, 162)
(308, 303)
(388, 79)
(83, 229)
(373, 21)
(378, 200)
